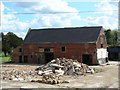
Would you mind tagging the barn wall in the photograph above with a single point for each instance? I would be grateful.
(101, 40)
(73, 51)
(16, 54)
(102, 53)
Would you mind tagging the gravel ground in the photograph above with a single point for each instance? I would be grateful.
(105, 77)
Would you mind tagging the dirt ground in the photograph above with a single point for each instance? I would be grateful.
(108, 77)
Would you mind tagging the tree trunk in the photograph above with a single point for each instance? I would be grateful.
(5, 53)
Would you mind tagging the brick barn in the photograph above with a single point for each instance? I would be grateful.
(86, 44)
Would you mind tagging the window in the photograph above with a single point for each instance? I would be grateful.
(20, 49)
(101, 45)
(63, 49)
(47, 49)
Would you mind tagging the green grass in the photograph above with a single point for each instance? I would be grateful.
(5, 59)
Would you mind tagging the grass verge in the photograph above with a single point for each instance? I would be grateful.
(4, 59)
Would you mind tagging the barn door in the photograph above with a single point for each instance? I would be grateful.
(25, 59)
(40, 58)
(20, 59)
(87, 59)
(49, 57)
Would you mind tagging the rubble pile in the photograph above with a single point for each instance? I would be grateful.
(62, 66)
(18, 75)
(50, 73)
(59, 67)
(50, 79)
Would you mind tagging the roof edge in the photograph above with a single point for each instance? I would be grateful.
(99, 35)
(29, 30)
(61, 43)
(68, 28)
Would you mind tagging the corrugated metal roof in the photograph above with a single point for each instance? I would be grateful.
(63, 35)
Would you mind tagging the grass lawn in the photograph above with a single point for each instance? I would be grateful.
(4, 59)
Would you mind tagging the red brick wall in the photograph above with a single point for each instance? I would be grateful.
(16, 54)
(101, 39)
(73, 51)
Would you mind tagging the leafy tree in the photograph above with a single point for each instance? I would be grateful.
(9, 42)
(111, 36)
(0, 44)
(14, 40)
(114, 36)
(108, 36)
(5, 45)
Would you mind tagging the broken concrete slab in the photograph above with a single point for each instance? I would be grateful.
(59, 72)
(71, 71)
(56, 65)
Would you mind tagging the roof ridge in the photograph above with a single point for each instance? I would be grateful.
(66, 28)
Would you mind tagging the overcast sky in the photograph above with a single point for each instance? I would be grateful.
(18, 17)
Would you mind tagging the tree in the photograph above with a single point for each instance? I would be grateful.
(114, 37)
(9, 42)
(111, 36)
(108, 36)
(5, 45)
(0, 44)
(14, 40)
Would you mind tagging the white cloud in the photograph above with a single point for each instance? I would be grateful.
(63, 20)
(107, 6)
(108, 18)
(21, 34)
(102, 21)
(50, 6)
(2, 7)
(11, 24)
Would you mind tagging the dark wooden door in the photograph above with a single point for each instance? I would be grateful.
(40, 58)
(25, 59)
(20, 59)
(87, 59)
(49, 57)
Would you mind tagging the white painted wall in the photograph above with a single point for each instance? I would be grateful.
(101, 55)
